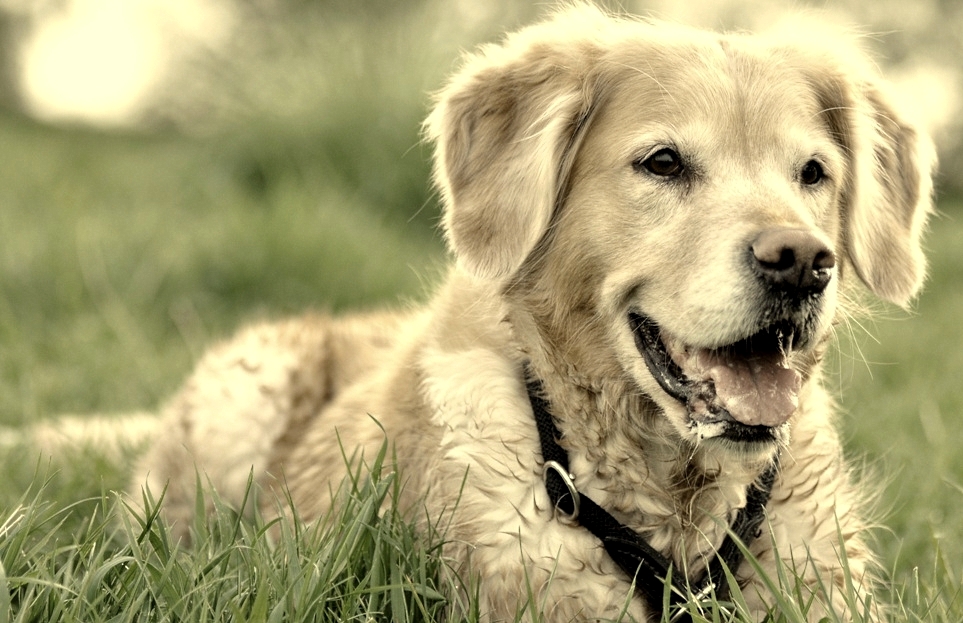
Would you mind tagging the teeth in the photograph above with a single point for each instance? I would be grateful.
(785, 342)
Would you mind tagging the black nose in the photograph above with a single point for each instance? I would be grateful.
(793, 260)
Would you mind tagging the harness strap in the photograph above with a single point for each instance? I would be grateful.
(653, 572)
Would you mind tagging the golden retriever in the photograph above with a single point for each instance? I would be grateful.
(654, 229)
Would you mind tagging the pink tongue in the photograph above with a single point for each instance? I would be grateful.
(760, 390)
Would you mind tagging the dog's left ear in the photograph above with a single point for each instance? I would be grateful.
(503, 128)
(887, 195)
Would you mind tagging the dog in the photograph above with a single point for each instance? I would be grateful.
(655, 230)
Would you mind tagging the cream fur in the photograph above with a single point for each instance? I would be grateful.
(557, 236)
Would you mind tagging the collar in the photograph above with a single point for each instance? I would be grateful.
(655, 579)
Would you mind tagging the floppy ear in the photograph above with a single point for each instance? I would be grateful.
(888, 194)
(503, 128)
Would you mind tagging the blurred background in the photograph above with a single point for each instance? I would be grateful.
(170, 169)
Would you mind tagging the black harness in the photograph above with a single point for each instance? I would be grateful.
(655, 579)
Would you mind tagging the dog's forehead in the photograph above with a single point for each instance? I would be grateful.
(753, 90)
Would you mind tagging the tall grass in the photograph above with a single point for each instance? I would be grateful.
(117, 565)
(98, 560)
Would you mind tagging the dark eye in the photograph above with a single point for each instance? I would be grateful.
(664, 163)
(812, 173)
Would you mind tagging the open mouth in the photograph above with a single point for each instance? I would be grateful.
(742, 391)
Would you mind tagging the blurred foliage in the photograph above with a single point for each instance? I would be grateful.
(334, 90)
(122, 255)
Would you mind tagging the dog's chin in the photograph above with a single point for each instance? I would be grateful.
(739, 397)
(748, 442)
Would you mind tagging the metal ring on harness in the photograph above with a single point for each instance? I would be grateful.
(566, 477)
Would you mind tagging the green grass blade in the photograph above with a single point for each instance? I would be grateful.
(5, 607)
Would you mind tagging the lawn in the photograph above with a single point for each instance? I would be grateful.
(123, 255)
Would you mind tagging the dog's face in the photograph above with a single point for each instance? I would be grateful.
(706, 198)
(682, 203)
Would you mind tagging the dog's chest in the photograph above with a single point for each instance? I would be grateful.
(492, 468)
(477, 399)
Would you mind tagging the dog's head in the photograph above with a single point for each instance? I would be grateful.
(683, 203)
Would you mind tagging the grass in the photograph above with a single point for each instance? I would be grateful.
(132, 569)
(142, 250)
(902, 403)
(122, 256)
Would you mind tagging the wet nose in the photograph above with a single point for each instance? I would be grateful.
(794, 260)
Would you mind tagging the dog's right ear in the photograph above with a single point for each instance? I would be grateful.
(503, 128)
(892, 199)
